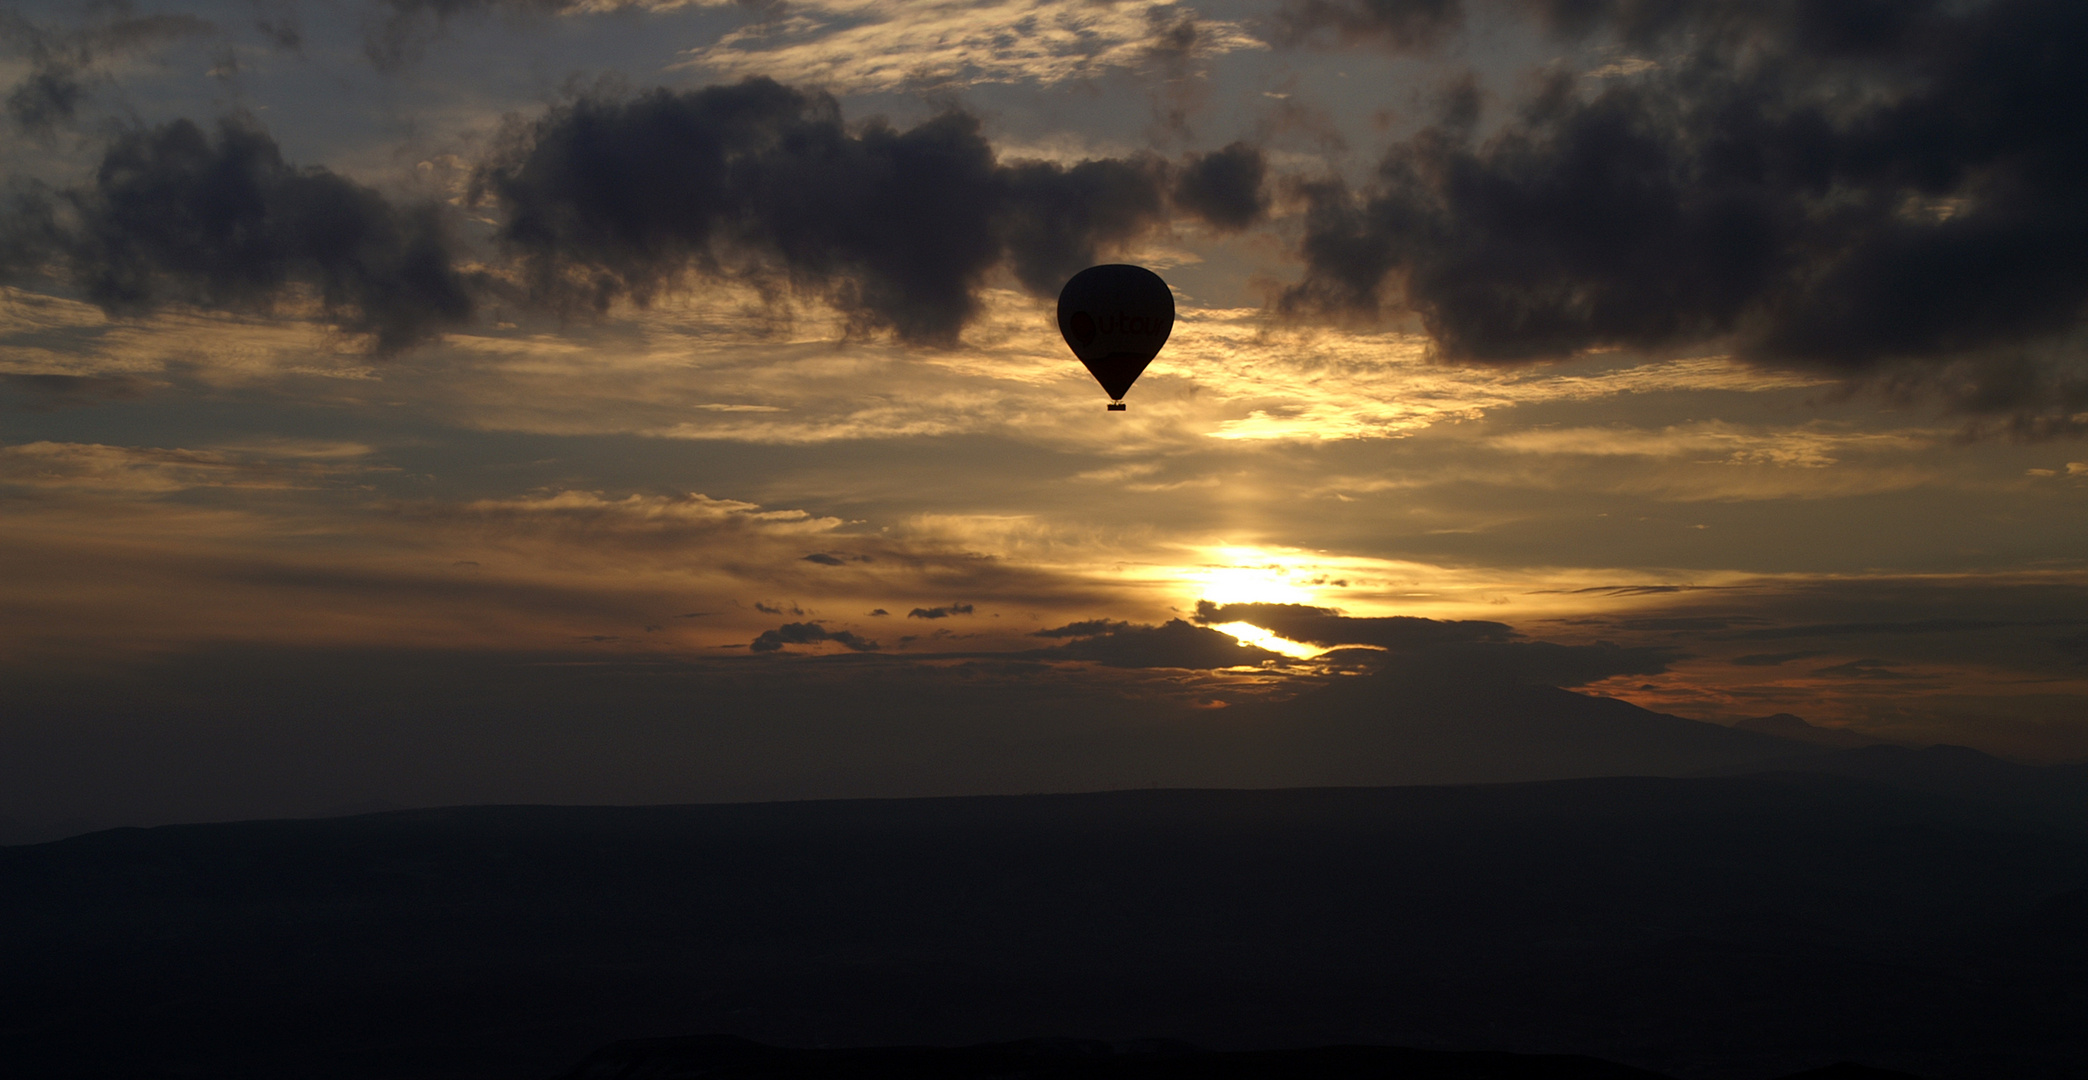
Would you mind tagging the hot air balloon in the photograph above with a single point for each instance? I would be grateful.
(1116, 318)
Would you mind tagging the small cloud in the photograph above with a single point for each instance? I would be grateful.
(694, 614)
(808, 633)
(879, 612)
(823, 559)
(778, 609)
(939, 612)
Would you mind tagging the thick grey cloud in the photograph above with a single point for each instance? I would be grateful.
(809, 633)
(176, 214)
(1861, 188)
(1224, 187)
(612, 198)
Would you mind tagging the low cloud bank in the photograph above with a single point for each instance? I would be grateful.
(1462, 650)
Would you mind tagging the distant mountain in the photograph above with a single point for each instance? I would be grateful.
(1408, 726)
(2049, 792)
(1787, 726)
(1725, 928)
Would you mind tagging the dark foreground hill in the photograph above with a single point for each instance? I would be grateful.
(1744, 927)
(725, 1057)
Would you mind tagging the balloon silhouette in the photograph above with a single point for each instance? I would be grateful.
(1116, 318)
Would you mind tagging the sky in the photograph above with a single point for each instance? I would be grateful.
(1733, 350)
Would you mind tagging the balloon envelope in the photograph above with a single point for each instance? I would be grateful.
(1116, 318)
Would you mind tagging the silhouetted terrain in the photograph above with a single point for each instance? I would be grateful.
(1787, 726)
(723, 1057)
(1408, 726)
(1718, 927)
(2056, 793)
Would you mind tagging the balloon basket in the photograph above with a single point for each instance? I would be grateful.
(1116, 406)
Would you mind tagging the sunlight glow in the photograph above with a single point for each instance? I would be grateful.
(1266, 583)
(1247, 633)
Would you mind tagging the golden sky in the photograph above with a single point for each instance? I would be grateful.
(1877, 525)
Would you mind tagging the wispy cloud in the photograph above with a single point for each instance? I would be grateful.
(859, 46)
(144, 469)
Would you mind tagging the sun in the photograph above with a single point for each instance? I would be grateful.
(1249, 576)
(1255, 576)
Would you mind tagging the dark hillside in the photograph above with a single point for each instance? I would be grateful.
(1743, 928)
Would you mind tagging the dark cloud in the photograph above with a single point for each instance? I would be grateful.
(1638, 590)
(1401, 24)
(1863, 669)
(1839, 28)
(282, 27)
(1843, 28)
(1224, 187)
(828, 558)
(778, 609)
(1874, 190)
(808, 633)
(1085, 628)
(46, 97)
(614, 197)
(879, 611)
(1905, 626)
(940, 612)
(1176, 644)
(1683, 623)
(1774, 659)
(62, 61)
(1532, 663)
(177, 215)
(1328, 627)
(1171, 36)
